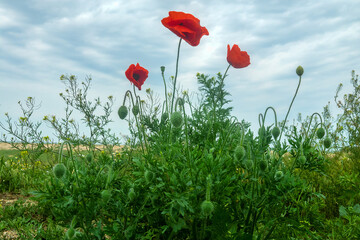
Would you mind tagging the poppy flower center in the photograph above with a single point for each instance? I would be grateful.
(136, 76)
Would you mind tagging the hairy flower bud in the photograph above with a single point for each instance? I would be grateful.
(239, 153)
(89, 157)
(207, 207)
(181, 101)
(299, 71)
(122, 112)
(302, 159)
(106, 195)
(136, 110)
(263, 165)
(176, 119)
(320, 133)
(59, 170)
(249, 164)
(327, 142)
(275, 132)
(162, 69)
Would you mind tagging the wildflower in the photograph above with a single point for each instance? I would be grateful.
(185, 26)
(239, 153)
(275, 132)
(237, 58)
(136, 75)
(327, 142)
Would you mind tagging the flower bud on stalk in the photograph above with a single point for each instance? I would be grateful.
(136, 110)
(122, 112)
(299, 71)
(275, 132)
(327, 142)
(59, 170)
(176, 119)
(239, 153)
(320, 133)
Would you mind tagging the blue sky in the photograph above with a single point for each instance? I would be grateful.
(42, 39)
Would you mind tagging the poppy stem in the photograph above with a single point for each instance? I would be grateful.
(226, 72)
(287, 114)
(176, 73)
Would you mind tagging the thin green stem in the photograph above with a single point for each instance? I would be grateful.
(287, 114)
(176, 73)
(166, 96)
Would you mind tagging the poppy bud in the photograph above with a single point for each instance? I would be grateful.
(320, 133)
(207, 207)
(278, 175)
(106, 195)
(275, 132)
(249, 164)
(131, 194)
(302, 159)
(162, 69)
(327, 142)
(59, 170)
(89, 157)
(263, 165)
(181, 101)
(122, 112)
(239, 153)
(176, 119)
(136, 110)
(299, 71)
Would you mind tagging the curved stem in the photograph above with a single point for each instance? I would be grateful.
(311, 118)
(287, 114)
(166, 96)
(274, 114)
(176, 73)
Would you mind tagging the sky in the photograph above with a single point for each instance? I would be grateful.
(42, 39)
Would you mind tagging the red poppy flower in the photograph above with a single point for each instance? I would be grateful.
(137, 75)
(237, 58)
(185, 26)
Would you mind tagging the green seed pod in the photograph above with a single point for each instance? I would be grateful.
(278, 175)
(299, 71)
(327, 142)
(89, 157)
(106, 195)
(239, 153)
(320, 133)
(249, 164)
(275, 132)
(59, 170)
(302, 159)
(164, 117)
(136, 110)
(131, 194)
(149, 176)
(122, 112)
(176, 119)
(207, 207)
(70, 233)
(181, 101)
(263, 165)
